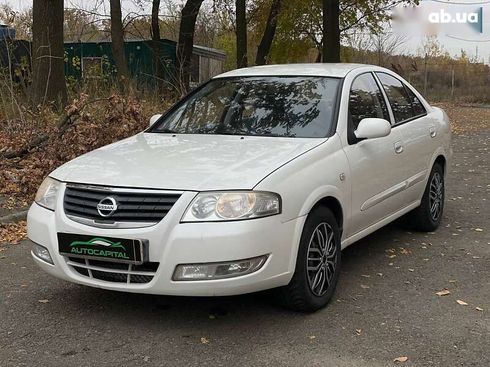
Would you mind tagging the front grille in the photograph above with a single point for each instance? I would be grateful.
(114, 272)
(133, 205)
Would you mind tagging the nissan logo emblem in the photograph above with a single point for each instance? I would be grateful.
(107, 206)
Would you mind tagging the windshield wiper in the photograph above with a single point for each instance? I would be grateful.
(166, 131)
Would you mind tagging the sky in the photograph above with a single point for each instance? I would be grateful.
(458, 24)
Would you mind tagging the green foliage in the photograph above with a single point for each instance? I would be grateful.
(300, 26)
(227, 42)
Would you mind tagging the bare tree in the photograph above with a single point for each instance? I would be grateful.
(241, 34)
(48, 74)
(117, 37)
(20, 20)
(185, 44)
(362, 42)
(386, 44)
(269, 33)
(331, 31)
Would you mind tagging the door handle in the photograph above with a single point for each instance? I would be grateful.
(398, 147)
(432, 132)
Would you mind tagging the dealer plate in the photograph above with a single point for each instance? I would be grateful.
(120, 250)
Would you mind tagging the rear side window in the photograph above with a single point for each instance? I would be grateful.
(366, 100)
(417, 106)
(398, 97)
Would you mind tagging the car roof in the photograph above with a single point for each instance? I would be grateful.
(339, 70)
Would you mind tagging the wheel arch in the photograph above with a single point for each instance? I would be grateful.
(441, 157)
(335, 206)
(441, 160)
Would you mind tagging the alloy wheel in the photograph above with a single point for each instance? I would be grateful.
(321, 259)
(436, 196)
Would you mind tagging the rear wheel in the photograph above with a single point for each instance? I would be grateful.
(317, 265)
(428, 215)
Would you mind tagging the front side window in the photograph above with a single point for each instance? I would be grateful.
(398, 97)
(366, 100)
(302, 107)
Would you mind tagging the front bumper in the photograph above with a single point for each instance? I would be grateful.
(172, 243)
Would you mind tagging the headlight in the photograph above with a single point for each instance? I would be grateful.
(48, 193)
(232, 205)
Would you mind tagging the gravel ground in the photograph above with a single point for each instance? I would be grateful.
(385, 306)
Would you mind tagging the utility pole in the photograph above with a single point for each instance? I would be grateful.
(425, 75)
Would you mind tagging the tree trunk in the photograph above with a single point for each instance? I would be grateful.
(241, 34)
(155, 36)
(185, 44)
(117, 37)
(268, 36)
(331, 31)
(48, 73)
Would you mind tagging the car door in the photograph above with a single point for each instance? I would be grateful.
(377, 165)
(417, 132)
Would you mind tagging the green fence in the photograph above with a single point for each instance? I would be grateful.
(95, 60)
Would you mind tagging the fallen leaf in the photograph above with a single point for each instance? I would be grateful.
(400, 359)
(478, 230)
(462, 303)
(204, 341)
(444, 292)
(363, 286)
(478, 308)
(312, 337)
(43, 301)
(358, 331)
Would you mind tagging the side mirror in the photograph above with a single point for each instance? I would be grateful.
(154, 119)
(371, 128)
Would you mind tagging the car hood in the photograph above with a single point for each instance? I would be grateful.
(184, 162)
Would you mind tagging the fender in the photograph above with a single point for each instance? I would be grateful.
(439, 152)
(314, 197)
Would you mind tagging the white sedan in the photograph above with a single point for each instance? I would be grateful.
(256, 180)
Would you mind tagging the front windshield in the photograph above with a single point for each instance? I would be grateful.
(300, 107)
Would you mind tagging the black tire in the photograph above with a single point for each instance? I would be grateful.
(300, 294)
(428, 215)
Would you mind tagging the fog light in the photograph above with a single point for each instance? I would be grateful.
(42, 253)
(209, 271)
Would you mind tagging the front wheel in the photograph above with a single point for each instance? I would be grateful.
(428, 215)
(317, 265)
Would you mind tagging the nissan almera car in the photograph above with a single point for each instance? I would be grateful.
(256, 180)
